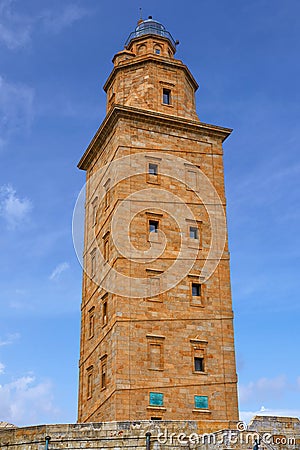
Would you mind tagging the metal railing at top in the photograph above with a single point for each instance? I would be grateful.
(150, 29)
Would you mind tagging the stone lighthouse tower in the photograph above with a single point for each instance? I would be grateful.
(157, 336)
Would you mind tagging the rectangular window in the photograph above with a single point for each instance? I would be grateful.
(194, 233)
(153, 169)
(196, 289)
(197, 292)
(153, 286)
(104, 372)
(191, 179)
(198, 364)
(106, 248)
(156, 399)
(166, 96)
(155, 356)
(107, 194)
(95, 207)
(90, 382)
(153, 226)
(104, 310)
(153, 293)
(93, 263)
(91, 322)
(201, 401)
(198, 353)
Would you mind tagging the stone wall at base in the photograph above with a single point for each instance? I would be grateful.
(285, 431)
(165, 435)
(275, 424)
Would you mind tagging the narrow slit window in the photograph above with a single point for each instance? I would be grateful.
(103, 373)
(166, 96)
(107, 194)
(153, 226)
(91, 322)
(90, 382)
(93, 263)
(106, 249)
(104, 312)
(95, 207)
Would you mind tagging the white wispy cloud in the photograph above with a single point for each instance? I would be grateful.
(24, 400)
(265, 184)
(263, 389)
(13, 209)
(55, 21)
(20, 291)
(9, 339)
(246, 416)
(2, 367)
(59, 269)
(16, 109)
(17, 29)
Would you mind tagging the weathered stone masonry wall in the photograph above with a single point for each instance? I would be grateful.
(165, 435)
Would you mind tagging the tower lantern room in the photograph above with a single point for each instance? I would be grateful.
(151, 36)
(146, 75)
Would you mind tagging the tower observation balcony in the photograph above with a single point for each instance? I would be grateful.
(151, 27)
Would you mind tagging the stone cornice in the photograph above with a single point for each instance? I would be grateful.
(149, 58)
(141, 115)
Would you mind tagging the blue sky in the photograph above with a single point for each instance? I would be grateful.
(54, 59)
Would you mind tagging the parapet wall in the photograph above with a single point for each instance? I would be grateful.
(162, 435)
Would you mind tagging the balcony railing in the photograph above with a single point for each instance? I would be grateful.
(150, 28)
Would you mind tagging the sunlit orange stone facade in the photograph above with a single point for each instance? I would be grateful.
(168, 356)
